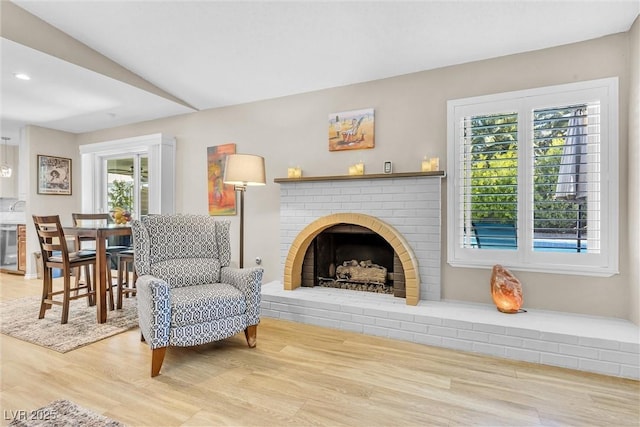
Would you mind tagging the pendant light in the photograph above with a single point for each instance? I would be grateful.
(5, 169)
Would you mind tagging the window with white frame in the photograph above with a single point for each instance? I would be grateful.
(533, 179)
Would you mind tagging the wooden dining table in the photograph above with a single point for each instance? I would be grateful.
(100, 232)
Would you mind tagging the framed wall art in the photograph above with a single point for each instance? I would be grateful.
(222, 197)
(54, 175)
(351, 130)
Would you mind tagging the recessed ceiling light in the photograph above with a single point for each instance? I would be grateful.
(22, 76)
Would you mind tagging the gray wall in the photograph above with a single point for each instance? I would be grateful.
(410, 114)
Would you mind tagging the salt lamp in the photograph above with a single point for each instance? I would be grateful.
(506, 290)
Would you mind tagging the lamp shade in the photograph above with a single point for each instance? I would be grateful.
(244, 169)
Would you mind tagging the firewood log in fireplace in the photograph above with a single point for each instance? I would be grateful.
(361, 272)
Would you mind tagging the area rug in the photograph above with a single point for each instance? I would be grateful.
(60, 413)
(19, 319)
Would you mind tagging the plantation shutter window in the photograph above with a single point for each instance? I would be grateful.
(533, 179)
(490, 185)
(566, 147)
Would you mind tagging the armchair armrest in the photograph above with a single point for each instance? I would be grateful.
(154, 310)
(249, 282)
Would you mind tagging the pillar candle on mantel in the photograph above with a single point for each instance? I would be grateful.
(295, 172)
(426, 165)
(435, 163)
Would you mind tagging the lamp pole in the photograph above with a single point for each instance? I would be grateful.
(241, 189)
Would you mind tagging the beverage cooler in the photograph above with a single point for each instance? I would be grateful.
(12, 248)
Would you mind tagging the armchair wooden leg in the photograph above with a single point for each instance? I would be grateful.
(157, 357)
(251, 333)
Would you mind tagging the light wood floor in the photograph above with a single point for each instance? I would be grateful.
(304, 375)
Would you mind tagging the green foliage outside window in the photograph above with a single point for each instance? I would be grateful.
(494, 170)
(494, 187)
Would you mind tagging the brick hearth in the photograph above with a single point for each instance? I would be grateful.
(587, 343)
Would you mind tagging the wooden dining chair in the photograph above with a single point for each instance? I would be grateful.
(56, 255)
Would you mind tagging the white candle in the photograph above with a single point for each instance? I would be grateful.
(435, 163)
(426, 165)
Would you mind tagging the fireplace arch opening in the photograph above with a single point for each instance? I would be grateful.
(348, 256)
(295, 258)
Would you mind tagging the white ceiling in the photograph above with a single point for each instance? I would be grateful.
(64, 96)
(214, 53)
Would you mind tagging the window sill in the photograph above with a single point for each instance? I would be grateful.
(556, 269)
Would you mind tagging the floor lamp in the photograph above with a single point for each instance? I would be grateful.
(242, 170)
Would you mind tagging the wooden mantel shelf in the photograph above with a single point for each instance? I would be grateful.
(437, 174)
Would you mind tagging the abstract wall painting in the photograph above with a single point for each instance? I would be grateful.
(222, 197)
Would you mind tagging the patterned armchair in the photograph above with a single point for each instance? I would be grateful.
(187, 293)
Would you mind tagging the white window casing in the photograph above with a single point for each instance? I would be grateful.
(160, 150)
(542, 114)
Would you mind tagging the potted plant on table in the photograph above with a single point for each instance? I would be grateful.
(120, 201)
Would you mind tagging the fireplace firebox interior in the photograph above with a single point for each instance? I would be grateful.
(353, 257)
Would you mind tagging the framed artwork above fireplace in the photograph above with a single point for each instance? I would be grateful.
(351, 130)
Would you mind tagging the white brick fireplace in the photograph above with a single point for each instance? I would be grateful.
(409, 204)
(406, 208)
